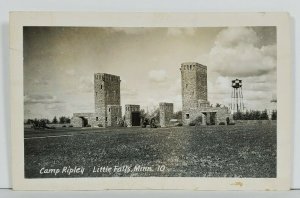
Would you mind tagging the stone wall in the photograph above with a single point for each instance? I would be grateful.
(76, 121)
(93, 119)
(114, 115)
(166, 111)
(220, 114)
(129, 108)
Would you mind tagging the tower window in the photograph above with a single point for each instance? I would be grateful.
(105, 119)
(187, 116)
(97, 118)
(186, 85)
(116, 118)
(100, 86)
(108, 109)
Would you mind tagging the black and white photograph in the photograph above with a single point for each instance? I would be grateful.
(141, 102)
(150, 101)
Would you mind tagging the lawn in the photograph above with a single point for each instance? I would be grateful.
(204, 151)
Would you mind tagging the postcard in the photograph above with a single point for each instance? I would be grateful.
(195, 101)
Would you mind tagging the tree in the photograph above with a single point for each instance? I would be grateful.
(252, 115)
(62, 120)
(247, 116)
(155, 115)
(264, 115)
(274, 115)
(54, 121)
(237, 115)
(68, 120)
(178, 115)
(218, 105)
(143, 114)
(29, 121)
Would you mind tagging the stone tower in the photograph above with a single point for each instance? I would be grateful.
(132, 115)
(106, 92)
(193, 87)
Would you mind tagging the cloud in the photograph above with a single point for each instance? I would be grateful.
(130, 30)
(175, 87)
(54, 106)
(86, 84)
(41, 82)
(70, 72)
(235, 36)
(126, 91)
(222, 85)
(42, 99)
(235, 53)
(157, 76)
(255, 95)
(176, 31)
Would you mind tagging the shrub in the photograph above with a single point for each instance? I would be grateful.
(197, 121)
(222, 123)
(100, 125)
(179, 124)
(64, 126)
(274, 115)
(70, 125)
(121, 123)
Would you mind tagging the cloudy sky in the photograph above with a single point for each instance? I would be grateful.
(59, 64)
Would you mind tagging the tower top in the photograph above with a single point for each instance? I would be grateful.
(165, 104)
(106, 77)
(192, 66)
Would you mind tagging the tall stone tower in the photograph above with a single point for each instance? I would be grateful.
(193, 87)
(107, 92)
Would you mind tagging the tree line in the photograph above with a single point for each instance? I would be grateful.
(254, 115)
(60, 120)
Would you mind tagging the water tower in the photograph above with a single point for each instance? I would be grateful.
(237, 103)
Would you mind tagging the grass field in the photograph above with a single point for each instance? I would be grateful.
(206, 151)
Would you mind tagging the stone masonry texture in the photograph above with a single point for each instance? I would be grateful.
(129, 109)
(166, 111)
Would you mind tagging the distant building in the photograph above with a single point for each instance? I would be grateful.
(194, 97)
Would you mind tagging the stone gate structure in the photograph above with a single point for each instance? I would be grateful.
(195, 105)
(166, 111)
(132, 115)
(108, 111)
